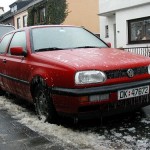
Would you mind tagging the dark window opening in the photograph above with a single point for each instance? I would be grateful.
(106, 32)
(35, 18)
(42, 15)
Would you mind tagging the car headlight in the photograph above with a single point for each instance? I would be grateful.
(149, 69)
(91, 76)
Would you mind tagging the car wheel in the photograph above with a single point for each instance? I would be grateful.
(44, 106)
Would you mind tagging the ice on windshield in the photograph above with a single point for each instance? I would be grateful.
(64, 37)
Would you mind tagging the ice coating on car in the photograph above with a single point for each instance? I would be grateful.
(116, 59)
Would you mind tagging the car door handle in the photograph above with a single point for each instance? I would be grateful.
(4, 60)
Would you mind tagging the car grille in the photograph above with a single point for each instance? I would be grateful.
(123, 72)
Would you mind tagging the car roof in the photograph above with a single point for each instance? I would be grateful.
(43, 26)
(6, 25)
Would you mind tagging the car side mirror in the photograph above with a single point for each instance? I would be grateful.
(109, 45)
(18, 51)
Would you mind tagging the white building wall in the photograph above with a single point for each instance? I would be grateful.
(110, 21)
(120, 18)
(122, 27)
(113, 5)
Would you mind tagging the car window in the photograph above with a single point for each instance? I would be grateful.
(5, 29)
(4, 43)
(18, 40)
(64, 37)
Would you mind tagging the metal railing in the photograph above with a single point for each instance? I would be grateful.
(145, 51)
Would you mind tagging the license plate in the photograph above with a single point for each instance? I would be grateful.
(133, 92)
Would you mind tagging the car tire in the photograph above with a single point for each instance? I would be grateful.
(44, 106)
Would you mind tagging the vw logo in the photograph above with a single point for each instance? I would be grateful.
(130, 73)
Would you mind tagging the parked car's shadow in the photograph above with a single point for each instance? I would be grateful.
(110, 122)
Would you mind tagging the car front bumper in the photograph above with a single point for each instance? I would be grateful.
(98, 90)
(67, 101)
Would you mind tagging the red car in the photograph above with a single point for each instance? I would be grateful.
(66, 70)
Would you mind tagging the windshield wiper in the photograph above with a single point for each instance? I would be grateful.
(86, 47)
(48, 49)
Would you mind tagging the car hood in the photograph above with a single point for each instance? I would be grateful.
(96, 58)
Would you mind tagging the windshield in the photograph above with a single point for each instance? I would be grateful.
(56, 38)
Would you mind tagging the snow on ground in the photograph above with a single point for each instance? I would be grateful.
(124, 137)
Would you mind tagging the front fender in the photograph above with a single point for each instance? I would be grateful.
(44, 74)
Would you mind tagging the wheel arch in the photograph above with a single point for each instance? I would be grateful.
(45, 79)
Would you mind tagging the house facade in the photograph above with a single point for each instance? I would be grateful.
(7, 18)
(17, 15)
(84, 13)
(78, 14)
(20, 19)
(125, 23)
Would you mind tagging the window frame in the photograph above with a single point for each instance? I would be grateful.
(139, 41)
(24, 20)
(18, 23)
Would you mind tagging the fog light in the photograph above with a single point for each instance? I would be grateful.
(84, 99)
(101, 97)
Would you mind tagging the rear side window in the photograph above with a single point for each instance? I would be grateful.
(18, 40)
(4, 43)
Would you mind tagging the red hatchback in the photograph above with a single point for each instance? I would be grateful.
(66, 70)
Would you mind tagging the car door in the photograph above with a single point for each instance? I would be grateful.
(16, 68)
(4, 44)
